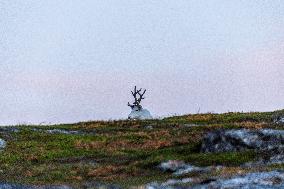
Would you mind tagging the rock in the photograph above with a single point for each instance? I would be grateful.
(276, 159)
(207, 181)
(169, 184)
(172, 165)
(177, 181)
(2, 144)
(261, 180)
(90, 185)
(60, 131)
(7, 132)
(180, 168)
(278, 117)
(189, 169)
(258, 180)
(191, 125)
(14, 186)
(154, 185)
(98, 185)
(242, 139)
(280, 120)
(149, 127)
(20, 186)
(10, 129)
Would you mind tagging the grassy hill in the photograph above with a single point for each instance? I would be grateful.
(123, 152)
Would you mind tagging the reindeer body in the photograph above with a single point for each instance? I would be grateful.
(137, 111)
(139, 114)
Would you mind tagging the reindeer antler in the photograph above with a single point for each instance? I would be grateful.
(141, 95)
(130, 105)
(137, 99)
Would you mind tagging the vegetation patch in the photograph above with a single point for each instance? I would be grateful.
(122, 151)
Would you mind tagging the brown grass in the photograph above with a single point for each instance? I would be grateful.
(252, 125)
(200, 117)
(108, 173)
(122, 145)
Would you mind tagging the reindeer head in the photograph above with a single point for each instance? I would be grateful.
(138, 96)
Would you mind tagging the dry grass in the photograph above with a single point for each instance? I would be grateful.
(108, 173)
(122, 145)
(252, 125)
(200, 117)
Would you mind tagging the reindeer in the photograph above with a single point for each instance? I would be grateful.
(137, 111)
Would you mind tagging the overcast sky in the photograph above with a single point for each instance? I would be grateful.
(74, 60)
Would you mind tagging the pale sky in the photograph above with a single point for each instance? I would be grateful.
(73, 60)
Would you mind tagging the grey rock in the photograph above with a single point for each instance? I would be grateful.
(191, 125)
(170, 184)
(261, 180)
(243, 139)
(172, 165)
(90, 185)
(180, 168)
(7, 132)
(9, 129)
(257, 180)
(2, 144)
(98, 185)
(280, 120)
(149, 127)
(61, 131)
(14, 186)
(20, 186)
